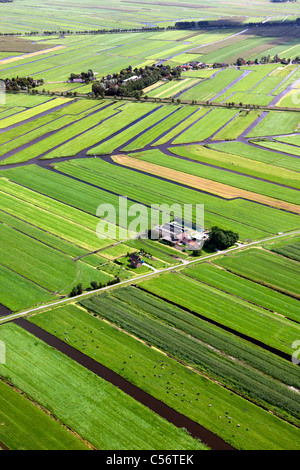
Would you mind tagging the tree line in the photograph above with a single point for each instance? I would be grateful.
(21, 83)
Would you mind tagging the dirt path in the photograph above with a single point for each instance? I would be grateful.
(213, 187)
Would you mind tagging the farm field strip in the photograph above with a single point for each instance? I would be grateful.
(279, 147)
(265, 268)
(72, 130)
(240, 316)
(236, 126)
(258, 154)
(203, 183)
(293, 139)
(155, 131)
(168, 136)
(35, 111)
(7, 150)
(289, 250)
(120, 135)
(25, 292)
(199, 345)
(11, 111)
(207, 89)
(52, 216)
(149, 190)
(171, 371)
(42, 235)
(42, 264)
(205, 127)
(169, 88)
(236, 164)
(108, 129)
(246, 289)
(275, 123)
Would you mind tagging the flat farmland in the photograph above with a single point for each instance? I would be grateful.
(27, 427)
(289, 249)
(206, 334)
(258, 154)
(196, 176)
(34, 111)
(132, 421)
(276, 123)
(144, 366)
(246, 289)
(266, 269)
(207, 126)
(240, 315)
(154, 320)
(149, 190)
(238, 125)
(43, 265)
(280, 147)
(236, 163)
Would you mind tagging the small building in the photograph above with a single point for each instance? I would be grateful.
(135, 261)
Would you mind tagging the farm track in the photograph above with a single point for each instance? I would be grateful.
(160, 408)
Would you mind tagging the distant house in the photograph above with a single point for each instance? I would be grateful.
(131, 79)
(135, 261)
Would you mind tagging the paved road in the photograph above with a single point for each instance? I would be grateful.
(144, 276)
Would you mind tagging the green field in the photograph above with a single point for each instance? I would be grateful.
(135, 426)
(84, 176)
(240, 316)
(24, 426)
(148, 369)
(265, 268)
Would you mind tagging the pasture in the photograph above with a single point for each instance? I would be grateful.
(135, 426)
(211, 339)
(149, 369)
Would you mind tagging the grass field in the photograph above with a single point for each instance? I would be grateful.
(240, 316)
(234, 162)
(135, 426)
(145, 365)
(24, 426)
(151, 191)
(213, 340)
(288, 249)
(265, 268)
(258, 154)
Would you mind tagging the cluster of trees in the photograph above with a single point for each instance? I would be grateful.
(22, 83)
(77, 290)
(86, 77)
(130, 82)
(267, 60)
(220, 239)
(219, 65)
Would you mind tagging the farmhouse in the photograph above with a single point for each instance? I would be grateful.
(135, 261)
(178, 235)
